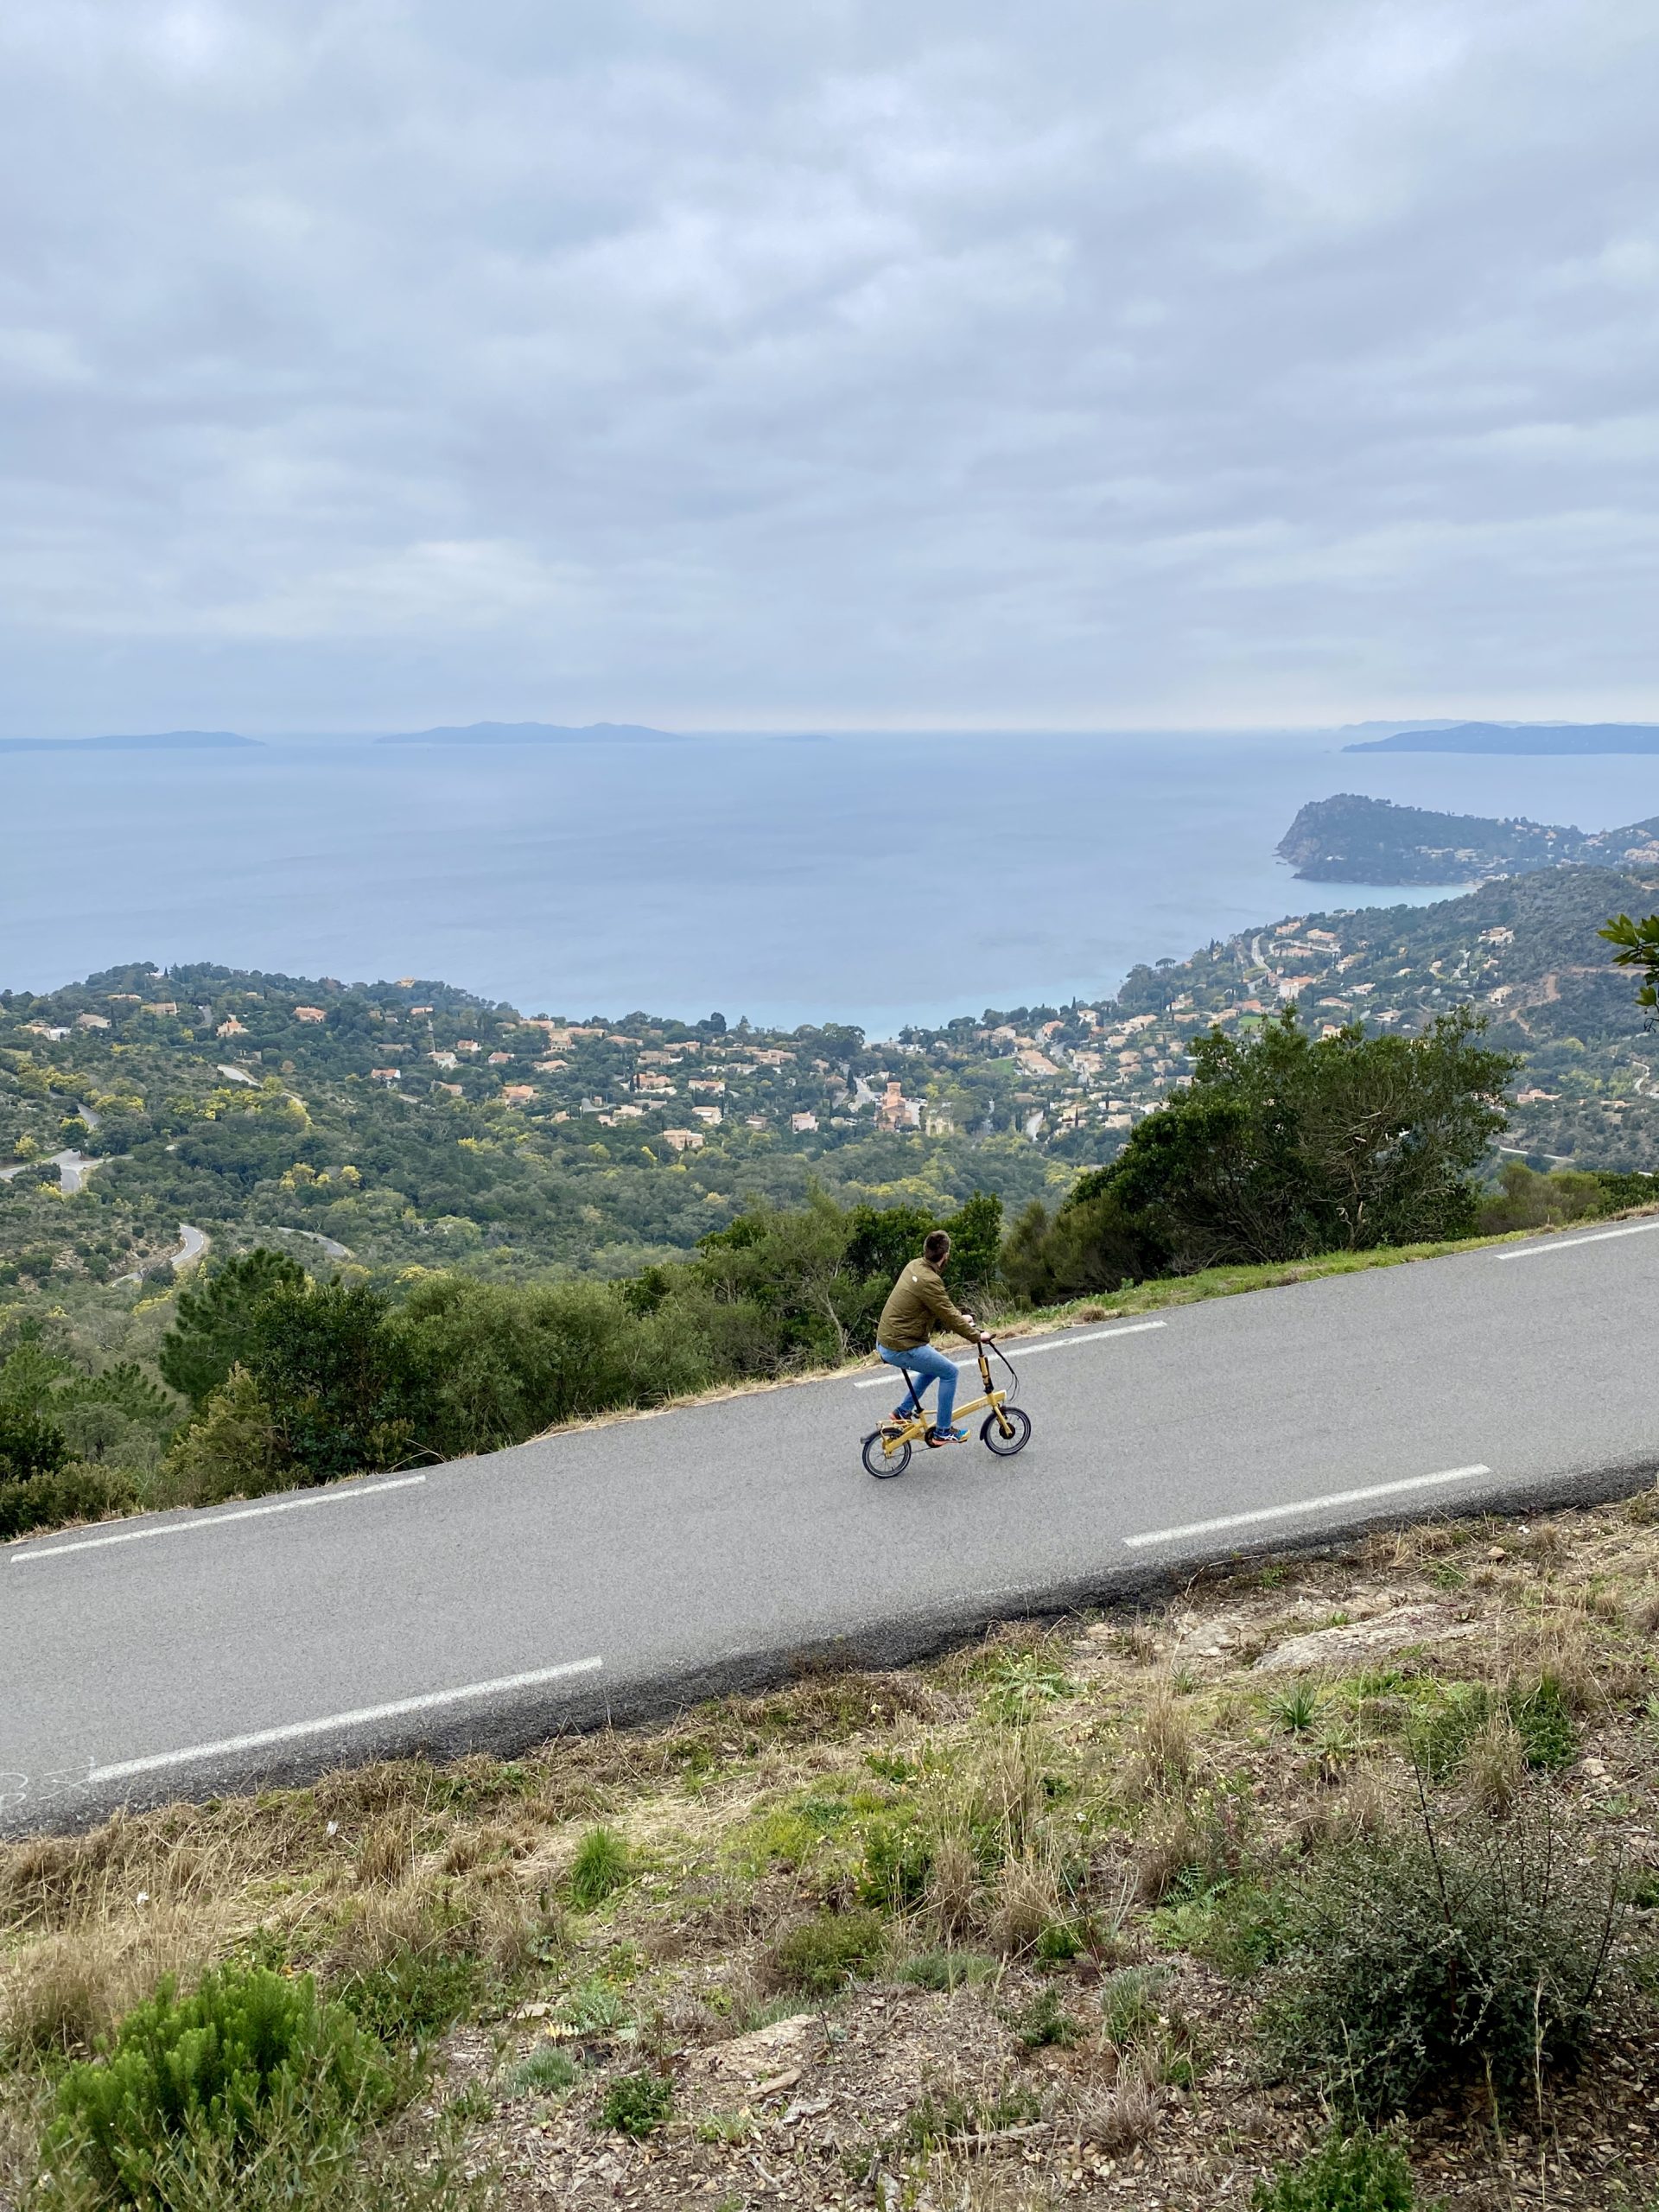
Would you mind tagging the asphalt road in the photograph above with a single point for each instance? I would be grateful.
(626, 1568)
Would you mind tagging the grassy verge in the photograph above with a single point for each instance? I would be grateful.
(1080, 1914)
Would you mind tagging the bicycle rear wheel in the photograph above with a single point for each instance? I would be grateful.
(882, 1463)
(1005, 1447)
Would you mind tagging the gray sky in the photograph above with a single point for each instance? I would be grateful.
(877, 362)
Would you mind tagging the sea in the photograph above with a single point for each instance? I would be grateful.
(878, 879)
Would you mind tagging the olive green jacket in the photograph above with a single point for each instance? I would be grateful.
(917, 1303)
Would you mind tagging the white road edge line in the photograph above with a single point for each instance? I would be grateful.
(215, 1519)
(1030, 1352)
(1303, 1506)
(1565, 1243)
(298, 1729)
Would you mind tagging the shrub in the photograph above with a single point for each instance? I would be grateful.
(335, 1375)
(76, 1492)
(250, 2056)
(820, 1957)
(600, 1866)
(415, 1995)
(230, 1450)
(1445, 1951)
(638, 2104)
(1355, 2173)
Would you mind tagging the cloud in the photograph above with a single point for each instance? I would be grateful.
(728, 365)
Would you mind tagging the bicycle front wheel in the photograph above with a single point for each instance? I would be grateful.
(991, 1436)
(882, 1463)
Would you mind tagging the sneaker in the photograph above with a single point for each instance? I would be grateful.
(936, 1436)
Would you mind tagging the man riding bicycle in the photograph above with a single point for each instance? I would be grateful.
(917, 1303)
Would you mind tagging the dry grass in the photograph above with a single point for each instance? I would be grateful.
(1092, 1813)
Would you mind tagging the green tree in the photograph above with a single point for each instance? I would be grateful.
(215, 1326)
(976, 1230)
(29, 1444)
(1282, 1147)
(335, 1376)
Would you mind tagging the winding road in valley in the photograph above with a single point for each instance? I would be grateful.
(624, 1569)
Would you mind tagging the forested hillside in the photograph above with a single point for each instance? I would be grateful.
(411, 1123)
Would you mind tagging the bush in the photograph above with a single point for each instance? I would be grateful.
(820, 1957)
(599, 1867)
(334, 1375)
(230, 1450)
(1526, 1199)
(249, 2057)
(1356, 2173)
(638, 2104)
(76, 1492)
(1445, 1952)
(416, 1995)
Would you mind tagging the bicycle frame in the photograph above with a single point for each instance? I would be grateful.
(914, 1431)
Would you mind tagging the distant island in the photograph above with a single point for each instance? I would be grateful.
(1515, 737)
(163, 741)
(1348, 839)
(533, 734)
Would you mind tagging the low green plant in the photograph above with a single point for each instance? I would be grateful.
(600, 1868)
(1540, 1712)
(725, 2127)
(595, 2008)
(897, 1857)
(250, 2058)
(1132, 2003)
(820, 1957)
(1019, 1684)
(1298, 1709)
(417, 1994)
(1239, 1927)
(946, 1969)
(546, 2072)
(1043, 2021)
(1360, 2172)
(1544, 1721)
(638, 2104)
(1454, 1949)
(939, 2120)
(1056, 1943)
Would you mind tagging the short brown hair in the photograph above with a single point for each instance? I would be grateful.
(937, 1246)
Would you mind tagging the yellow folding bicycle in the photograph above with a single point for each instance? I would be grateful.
(1004, 1430)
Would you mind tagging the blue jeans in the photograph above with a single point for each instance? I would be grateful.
(933, 1367)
